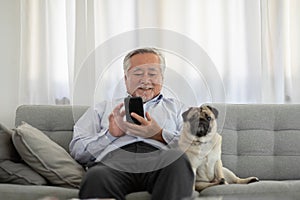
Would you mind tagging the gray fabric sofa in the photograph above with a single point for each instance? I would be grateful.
(258, 140)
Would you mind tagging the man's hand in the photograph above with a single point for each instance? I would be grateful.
(116, 123)
(148, 128)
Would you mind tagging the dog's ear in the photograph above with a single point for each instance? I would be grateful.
(184, 114)
(214, 110)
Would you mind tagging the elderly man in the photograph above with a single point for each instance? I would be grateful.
(123, 157)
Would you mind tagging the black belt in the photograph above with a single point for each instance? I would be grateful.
(139, 147)
(136, 147)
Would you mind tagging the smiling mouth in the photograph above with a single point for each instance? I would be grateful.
(145, 88)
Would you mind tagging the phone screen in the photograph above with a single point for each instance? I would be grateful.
(133, 104)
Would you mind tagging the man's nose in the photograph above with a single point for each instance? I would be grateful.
(145, 79)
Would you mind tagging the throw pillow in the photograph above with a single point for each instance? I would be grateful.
(7, 149)
(46, 157)
(12, 170)
(19, 173)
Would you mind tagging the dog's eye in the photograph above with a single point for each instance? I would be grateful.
(208, 118)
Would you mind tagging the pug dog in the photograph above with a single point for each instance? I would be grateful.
(202, 144)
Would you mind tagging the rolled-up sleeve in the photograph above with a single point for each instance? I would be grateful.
(171, 134)
(169, 137)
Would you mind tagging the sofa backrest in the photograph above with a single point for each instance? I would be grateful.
(261, 139)
(258, 139)
(56, 121)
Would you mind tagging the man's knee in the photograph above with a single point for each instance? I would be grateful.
(97, 175)
(100, 181)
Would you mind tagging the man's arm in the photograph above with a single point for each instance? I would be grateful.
(149, 128)
(90, 136)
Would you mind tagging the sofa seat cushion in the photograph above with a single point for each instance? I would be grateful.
(261, 187)
(46, 157)
(19, 173)
(28, 192)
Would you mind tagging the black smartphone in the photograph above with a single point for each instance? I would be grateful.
(133, 104)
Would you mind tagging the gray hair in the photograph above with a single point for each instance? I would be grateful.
(127, 64)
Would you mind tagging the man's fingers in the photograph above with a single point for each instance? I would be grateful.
(120, 105)
(142, 120)
(110, 117)
(117, 109)
(123, 113)
(148, 116)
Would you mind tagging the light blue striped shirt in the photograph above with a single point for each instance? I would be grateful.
(92, 140)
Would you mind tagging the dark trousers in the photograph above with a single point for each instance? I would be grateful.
(165, 174)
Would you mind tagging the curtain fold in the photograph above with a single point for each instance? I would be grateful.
(254, 45)
(44, 76)
(280, 67)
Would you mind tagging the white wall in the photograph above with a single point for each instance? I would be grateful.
(9, 59)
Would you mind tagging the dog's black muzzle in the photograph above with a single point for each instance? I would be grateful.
(200, 128)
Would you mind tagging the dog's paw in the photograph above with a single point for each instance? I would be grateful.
(253, 180)
(222, 181)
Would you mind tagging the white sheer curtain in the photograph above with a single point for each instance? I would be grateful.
(44, 75)
(280, 45)
(253, 44)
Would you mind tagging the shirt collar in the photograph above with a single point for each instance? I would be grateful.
(157, 98)
(154, 100)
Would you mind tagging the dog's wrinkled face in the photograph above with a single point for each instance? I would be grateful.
(201, 119)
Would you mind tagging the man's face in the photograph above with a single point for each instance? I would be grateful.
(144, 77)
